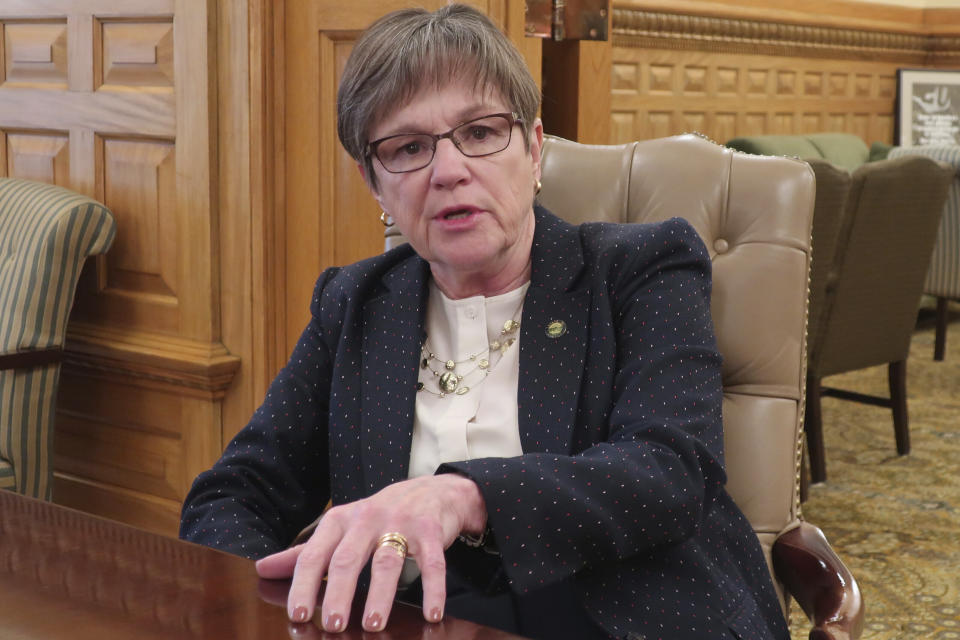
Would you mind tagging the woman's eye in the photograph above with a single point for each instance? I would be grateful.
(411, 148)
(479, 132)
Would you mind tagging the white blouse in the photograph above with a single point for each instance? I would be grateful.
(483, 421)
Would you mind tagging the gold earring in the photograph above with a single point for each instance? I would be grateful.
(537, 187)
(385, 220)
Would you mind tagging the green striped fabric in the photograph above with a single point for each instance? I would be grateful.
(46, 233)
(943, 277)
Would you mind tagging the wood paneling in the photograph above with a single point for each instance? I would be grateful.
(738, 69)
(38, 156)
(35, 54)
(726, 95)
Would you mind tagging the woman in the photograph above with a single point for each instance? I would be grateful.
(528, 410)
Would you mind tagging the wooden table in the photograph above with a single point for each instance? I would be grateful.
(70, 575)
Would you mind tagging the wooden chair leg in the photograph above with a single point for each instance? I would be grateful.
(897, 377)
(940, 339)
(813, 425)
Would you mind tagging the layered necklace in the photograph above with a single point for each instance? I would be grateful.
(451, 381)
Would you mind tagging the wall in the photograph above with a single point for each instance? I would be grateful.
(748, 68)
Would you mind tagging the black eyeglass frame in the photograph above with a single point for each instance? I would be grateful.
(509, 116)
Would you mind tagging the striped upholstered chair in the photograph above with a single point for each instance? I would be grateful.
(46, 233)
(943, 277)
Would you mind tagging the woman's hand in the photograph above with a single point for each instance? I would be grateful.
(429, 511)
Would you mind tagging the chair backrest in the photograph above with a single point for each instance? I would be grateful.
(833, 187)
(883, 250)
(46, 233)
(943, 276)
(754, 214)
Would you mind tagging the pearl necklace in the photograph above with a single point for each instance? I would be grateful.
(449, 381)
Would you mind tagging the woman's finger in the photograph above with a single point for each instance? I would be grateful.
(311, 565)
(433, 577)
(385, 568)
(344, 568)
(279, 565)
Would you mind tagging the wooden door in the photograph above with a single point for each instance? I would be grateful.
(330, 217)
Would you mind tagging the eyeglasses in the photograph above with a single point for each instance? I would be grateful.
(407, 152)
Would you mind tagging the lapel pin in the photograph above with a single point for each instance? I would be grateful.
(556, 329)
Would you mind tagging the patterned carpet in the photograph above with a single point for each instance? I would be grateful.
(895, 521)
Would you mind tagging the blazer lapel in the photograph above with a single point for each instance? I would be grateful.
(392, 336)
(553, 338)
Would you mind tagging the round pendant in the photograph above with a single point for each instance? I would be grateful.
(449, 382)
(450, 365)
(510, 325)
(483, 363)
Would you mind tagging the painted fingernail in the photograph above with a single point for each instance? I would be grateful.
(300, 614)
(334, 622)
(374, 621)
(436, 614)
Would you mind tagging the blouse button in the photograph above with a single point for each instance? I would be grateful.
(720, 245)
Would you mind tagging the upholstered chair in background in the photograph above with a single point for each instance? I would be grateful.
(844, 150)
(46, 233)
(943, 277)
(833, 187)
(754, 214)
(873, 288)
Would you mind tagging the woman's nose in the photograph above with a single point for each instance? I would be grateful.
(449, 166)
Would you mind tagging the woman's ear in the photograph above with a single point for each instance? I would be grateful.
(536, 146)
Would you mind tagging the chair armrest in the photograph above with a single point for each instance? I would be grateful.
(821, 584)
(31, 359)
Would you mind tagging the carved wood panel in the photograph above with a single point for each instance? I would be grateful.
(723, 95)
(38, 156)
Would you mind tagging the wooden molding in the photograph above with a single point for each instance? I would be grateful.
(639, 27)
(194, 368)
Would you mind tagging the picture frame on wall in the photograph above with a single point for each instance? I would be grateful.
(928, 107)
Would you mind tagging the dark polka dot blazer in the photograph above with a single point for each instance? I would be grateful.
(620, 489)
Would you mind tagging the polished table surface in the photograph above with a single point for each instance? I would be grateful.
(67, 574)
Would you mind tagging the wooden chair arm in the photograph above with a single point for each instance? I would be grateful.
(821, 584)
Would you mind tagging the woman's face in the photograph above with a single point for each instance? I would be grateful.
(470, 218)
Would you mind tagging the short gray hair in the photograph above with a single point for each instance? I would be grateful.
(410, 49)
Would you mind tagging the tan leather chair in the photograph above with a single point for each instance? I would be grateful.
(873, 288)
(754, 214)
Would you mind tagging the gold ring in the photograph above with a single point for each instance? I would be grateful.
(395, 541)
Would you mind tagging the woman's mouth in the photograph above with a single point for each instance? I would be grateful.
(457, 212)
